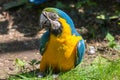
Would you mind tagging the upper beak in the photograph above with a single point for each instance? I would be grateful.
(44, 20)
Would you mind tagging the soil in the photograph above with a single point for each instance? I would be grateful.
(19, 38)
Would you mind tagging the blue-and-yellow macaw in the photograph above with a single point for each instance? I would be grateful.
(61, 46)
(37, 1)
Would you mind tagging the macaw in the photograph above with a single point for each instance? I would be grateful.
(37, 1)
(61, 46)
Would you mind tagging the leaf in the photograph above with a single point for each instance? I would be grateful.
(60, 5)
(14, 4)
(114, 17)
(33, 61)
(19, 62)
(117, 47)
(101, 17)
(118, 23)
(112, 44)
(23, 77)
(109, 37)
(38, 62)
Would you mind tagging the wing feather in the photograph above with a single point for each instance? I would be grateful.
(80, 51)
(43, 41)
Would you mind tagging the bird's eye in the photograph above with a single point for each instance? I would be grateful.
(53, 16)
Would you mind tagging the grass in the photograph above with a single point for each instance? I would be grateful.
(100, 69)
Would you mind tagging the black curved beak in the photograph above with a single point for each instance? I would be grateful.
(44, 20)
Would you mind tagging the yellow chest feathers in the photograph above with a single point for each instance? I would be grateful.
(64, 44)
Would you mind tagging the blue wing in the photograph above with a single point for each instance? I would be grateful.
(43, 41)
(80, 51)
(37, 1)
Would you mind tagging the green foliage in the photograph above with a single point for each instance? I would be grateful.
(114, 17)
(117, 47)
(34, 62)
(20, 64)
(14, 4)
(60, 4)
(81, 3)
(101, 17)
(106, 17)
(109, 37)
(118, 23)
(92, 32)
(100, 69)
(25, 75)
(111, 40)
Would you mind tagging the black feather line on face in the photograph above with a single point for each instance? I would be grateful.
(54, 25)
(56, 32)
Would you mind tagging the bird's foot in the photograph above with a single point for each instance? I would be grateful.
(55, 76)
(40, 74)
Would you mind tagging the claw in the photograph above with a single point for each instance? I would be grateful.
(40, 75)
(55, 76)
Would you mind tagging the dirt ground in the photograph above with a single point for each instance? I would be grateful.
(16, 41)
(19, 38)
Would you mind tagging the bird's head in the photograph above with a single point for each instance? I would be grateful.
(49, 19)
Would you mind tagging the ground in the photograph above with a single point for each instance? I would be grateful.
(16, 41)
(20, 33)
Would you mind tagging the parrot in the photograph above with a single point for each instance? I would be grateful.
(61, 46)
(37, 1)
